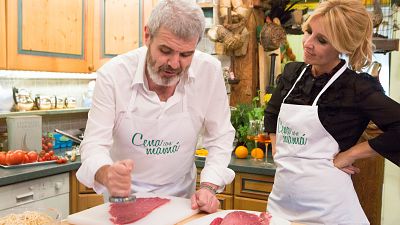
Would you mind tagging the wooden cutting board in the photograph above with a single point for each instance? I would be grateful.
(172, 212)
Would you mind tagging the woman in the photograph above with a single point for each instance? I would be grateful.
(317, 113)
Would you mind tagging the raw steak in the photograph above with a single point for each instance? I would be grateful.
(242, 218)
(123, 213)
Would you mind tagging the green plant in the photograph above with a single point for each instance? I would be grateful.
(240, 119)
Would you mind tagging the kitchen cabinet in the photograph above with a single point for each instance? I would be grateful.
(118, 27)
(3, 48)
(49, 35)
(246, 192)
(81, 197)
(72, 35)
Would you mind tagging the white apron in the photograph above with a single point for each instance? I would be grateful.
(162, 150)
(308, 188)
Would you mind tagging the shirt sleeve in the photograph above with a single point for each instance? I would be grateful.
(218, 136)
(95, 148)
(385, 113)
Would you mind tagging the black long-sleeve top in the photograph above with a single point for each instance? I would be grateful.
(344, 109)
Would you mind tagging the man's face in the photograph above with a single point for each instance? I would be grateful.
(169, 57)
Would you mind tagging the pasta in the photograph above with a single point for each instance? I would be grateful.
(27, 218)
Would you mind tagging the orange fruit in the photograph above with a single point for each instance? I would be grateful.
(241, 152)
(257, 153)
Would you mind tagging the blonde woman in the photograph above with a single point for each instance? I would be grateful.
(317, 113)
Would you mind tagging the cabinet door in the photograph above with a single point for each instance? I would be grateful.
(118, 27)
(250, 204)
(3, 48)
(49, 35)
(253, 186)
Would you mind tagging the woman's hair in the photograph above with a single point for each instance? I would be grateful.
(183, 18)
(348, 27)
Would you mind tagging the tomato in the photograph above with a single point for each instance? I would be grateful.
(51, 152)
(25, 159)
(12, 158)
(50, 145)
(3, 158)
(33, 156)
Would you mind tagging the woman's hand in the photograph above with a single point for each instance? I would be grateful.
(344, 160)
(205, 200)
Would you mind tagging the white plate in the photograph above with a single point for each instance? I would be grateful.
(206, 220)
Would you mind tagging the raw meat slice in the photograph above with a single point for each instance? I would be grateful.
(129, 212)
(216, 221)
(242, 218)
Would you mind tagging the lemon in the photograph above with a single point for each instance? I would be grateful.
(257, 153)
(241, 152)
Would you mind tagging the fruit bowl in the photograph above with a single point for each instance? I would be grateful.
(30, 215)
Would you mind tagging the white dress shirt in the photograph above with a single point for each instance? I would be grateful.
(207, 103)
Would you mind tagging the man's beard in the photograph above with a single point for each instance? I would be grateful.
(156, 78)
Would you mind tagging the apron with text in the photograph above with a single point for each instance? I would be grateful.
(162, 150)
(308, 187)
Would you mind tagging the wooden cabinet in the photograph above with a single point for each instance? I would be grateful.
(3, 43)
(49, 35)
(118, 27)
(71, 35)
(246, 192)
(81, 197)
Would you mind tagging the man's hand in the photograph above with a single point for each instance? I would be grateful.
(205, 200)
(117, 178)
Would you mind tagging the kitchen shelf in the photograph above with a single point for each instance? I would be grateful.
(45, 112)
(383, 45)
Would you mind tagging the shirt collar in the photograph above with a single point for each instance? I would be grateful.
(330, 74)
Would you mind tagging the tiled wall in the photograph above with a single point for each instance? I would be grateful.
(49, 84)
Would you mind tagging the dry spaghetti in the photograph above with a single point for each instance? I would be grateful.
(27, 218)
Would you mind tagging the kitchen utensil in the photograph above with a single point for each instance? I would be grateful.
(174, 211)
(22, 99)
(114, 199)
(75, 139)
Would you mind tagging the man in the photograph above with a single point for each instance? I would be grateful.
(148, 108)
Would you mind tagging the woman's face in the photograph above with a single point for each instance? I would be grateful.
(318, 52)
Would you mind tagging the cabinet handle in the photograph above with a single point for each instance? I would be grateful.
(24, 198)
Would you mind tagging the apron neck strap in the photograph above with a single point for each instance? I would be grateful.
(333, 78)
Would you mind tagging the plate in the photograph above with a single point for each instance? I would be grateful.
(28, 164)
(210, 217)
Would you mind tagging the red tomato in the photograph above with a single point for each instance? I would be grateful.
(51, 152)
(25, 159)
(11, 159)
(50, 145)
(3, 158)
(42, 153)
(33, 156)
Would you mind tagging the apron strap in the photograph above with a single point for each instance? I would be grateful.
(301, 74)
(336, 76)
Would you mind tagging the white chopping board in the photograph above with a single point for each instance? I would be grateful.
(210, 217)
(170, 213)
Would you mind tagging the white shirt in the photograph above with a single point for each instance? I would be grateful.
(207, 102)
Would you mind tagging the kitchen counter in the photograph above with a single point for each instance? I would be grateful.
(16, 175)
(248, 165)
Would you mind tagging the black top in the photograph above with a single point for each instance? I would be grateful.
(344, 109)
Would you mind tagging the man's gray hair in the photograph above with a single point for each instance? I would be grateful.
(184, 18)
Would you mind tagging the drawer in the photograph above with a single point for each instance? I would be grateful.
(226, 201)
(243, 203)
(228, 188)
(86, 201)
(253, 186)
(83, 189)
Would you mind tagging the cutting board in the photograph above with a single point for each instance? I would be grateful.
(168, 214)
(210, 217)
